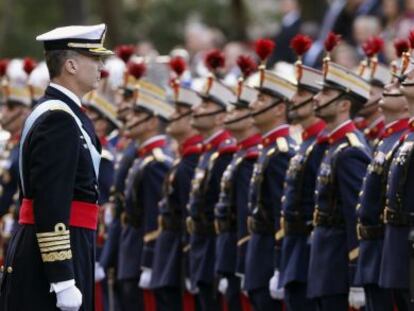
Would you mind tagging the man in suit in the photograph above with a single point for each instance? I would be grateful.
(334, 241)
(54, 248)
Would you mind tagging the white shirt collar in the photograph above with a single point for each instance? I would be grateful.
(376, 122)
(151, 140)
(277, 128)
(209, 139)
(67, 92)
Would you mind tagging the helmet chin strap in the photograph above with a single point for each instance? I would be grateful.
(248, 115)
(180, 117)
(330, 101)
(139, 122)
(207, 114)
(274, 104)
(300, 105)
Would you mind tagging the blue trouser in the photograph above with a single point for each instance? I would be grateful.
(295, 298)
(232, 296)
(332, 303)
(402, 300)
(261, 300)
(131, 296)
(207, 297)
(377, 299)
(168, 299)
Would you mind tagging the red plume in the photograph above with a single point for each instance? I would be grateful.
(125, 52)
(3, 66)
(331, 41)
(247, 65)
(178, 65)
(373, 46)
(29, 64)
(401, 46)
(104, 74)
(301, 44)
(264, 47)
(411, 38)
(214, 60)
(137, 70)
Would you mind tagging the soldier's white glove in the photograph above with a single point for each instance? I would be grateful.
(145, 279)
(99, 272)
(69, 298)
(356, 297)
(276, 292)
(223, 285)
(194, 290)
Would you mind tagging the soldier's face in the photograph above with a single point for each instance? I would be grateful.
(124, 105)
(205, 117)
(100, 124)
(238, 119)
(137, 124)
(371, 106)
(297, 115)
(88, 71)
(393, 101)
(181, 121)
(322, 110)
(264, 101)
(407, 87)
(12, 116)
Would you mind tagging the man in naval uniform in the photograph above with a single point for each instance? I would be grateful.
(170, 265)
(298, 199)
(262, 262)
(53, 251)
(334, 244)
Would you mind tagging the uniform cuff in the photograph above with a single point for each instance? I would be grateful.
(60, 286)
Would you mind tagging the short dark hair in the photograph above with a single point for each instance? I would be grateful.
(55, 60)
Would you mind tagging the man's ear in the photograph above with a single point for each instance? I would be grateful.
(345, 105)
(71, 65)
(219, 119)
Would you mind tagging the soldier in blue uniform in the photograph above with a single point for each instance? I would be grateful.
(371, 205)
(54, 248)
(231, 210)
(208, 118)
(15, 106)
(262, 262)
(143, 188)
(298, 199)
(334, 245)
(170, 264)
(397, 256)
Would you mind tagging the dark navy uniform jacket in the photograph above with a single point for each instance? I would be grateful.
(142, 193)
(298, 204)
(57, 169)
(266, 189)
(9, 175)
(205, 190)
(372, 202)
(400, 184)
(232, 209)
(109, 254)
(334, 244)
(169, 267)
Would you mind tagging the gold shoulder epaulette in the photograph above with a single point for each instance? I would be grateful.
(282, 144)
(353, 140)
(106, 154)
(158, 154)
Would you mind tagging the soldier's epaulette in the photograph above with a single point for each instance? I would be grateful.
(252, 153)
(212, 159)
(282, 144)
(106, 154)
(228, 146)
(353, 140)
(146, 160)
(160, 156)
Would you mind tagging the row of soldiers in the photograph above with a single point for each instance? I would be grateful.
(262, 196)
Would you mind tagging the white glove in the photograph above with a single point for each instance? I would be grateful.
(356, 297)
(190, 288)
(69, 299)
(276, 292)
(145, 279)
(223, 285)
(99, 272)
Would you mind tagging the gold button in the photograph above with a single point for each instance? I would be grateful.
(9, 269)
